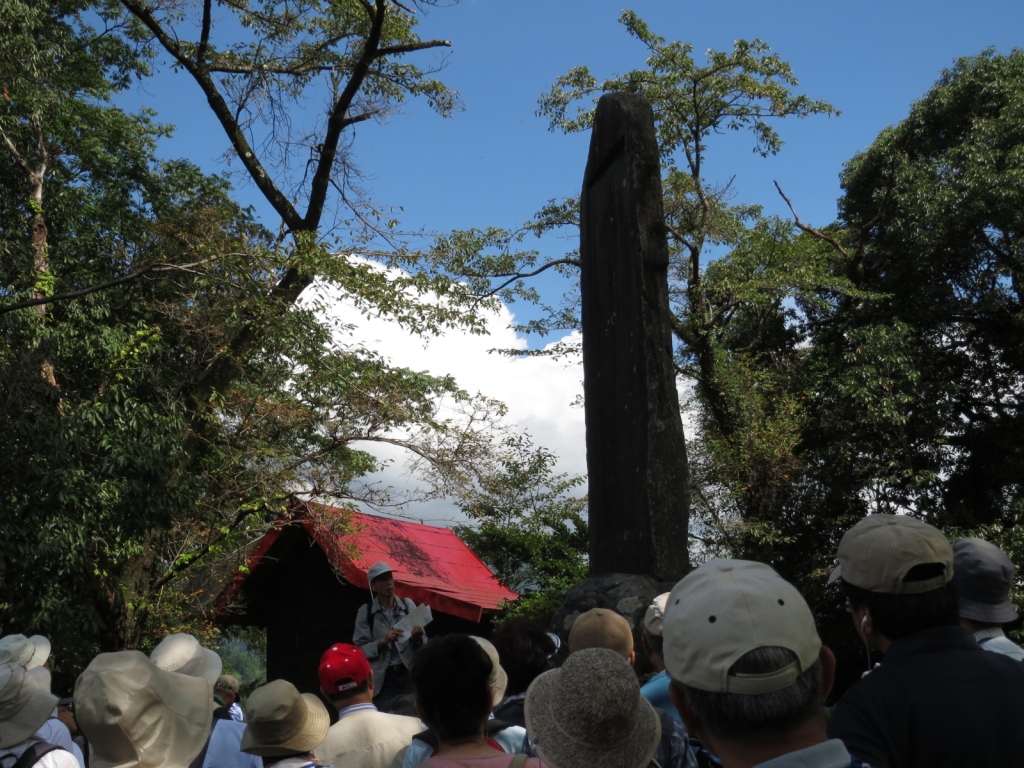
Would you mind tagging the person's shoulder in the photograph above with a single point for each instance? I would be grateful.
(404, 722)
(58, 758)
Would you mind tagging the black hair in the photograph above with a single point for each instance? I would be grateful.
(337, 698)
(896, 616)
(525, 650)
(452, 679)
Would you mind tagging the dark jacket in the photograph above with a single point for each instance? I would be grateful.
(936, 700)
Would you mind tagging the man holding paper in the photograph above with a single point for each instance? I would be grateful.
(389, 629)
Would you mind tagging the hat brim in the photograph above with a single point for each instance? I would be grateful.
(555, 747)
(40, 651)
(989, 613)
(836, 575)
(214, 665)
(31, 717)
(306, 738)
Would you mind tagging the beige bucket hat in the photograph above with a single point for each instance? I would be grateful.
(24, 705)
(138, 715)
(282, 721)
(601, 628)
(183, 654)
(28, 652)
(589, 714)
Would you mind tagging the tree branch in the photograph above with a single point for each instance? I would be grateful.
(809, 229)
(154, 268)
(201, 74)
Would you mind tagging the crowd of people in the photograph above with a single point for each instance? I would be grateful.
(741, 679)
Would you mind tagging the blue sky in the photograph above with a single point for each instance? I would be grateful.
(496, 162)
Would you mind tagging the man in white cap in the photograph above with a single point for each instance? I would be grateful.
(655, 690)
(749, 673)
(388, 649)
(937, 699)
(983, 575)
(24, 707)
(182, 653)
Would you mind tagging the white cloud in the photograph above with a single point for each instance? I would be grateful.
(539, 392)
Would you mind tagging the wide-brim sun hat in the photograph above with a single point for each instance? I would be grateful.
(498, 681)
(281, 721)
(137, 715)
(183, 654)
(589, 714)
(28, 652)
(24, 705)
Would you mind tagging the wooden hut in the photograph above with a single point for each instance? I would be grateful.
(306, 578)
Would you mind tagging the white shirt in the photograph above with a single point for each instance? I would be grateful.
(56, 759)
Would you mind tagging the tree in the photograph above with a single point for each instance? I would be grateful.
(735, 318)
(188, 394)
(528, 528)
(934, 212)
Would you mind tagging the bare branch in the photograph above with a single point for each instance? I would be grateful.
(809, 229)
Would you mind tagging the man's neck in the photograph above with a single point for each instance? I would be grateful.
(386, 603)
(354, 701)
(746, 755)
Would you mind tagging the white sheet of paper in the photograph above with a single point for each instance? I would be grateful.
(418, 617)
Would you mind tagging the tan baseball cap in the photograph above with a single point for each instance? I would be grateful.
(727, 608)
(878, 551)
(601, 628)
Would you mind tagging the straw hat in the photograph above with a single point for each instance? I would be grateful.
(590, 714)
(28, 652)
(24, 705)
(183, 654)
(136, 714)
(282, 721)
(498, 681)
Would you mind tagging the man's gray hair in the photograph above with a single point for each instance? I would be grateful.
(745, 717)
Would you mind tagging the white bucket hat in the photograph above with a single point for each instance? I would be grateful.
(282, 721)
(183, 654)
(28, 652)
(24, 705)
(137, 715)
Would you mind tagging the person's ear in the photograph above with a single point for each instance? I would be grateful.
(632, 658)
(369, 679)
(828, 670)
(689, 717)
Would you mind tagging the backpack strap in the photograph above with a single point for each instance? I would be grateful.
(34, 753)
(518, 761)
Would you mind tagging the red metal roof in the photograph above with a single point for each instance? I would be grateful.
(432, 565)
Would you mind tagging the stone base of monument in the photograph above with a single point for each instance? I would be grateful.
(629, 594)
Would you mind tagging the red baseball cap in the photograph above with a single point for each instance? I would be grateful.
(342, 668)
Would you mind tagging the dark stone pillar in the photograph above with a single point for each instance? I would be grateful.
(636, 455)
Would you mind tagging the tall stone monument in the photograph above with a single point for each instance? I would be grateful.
(636, 456)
